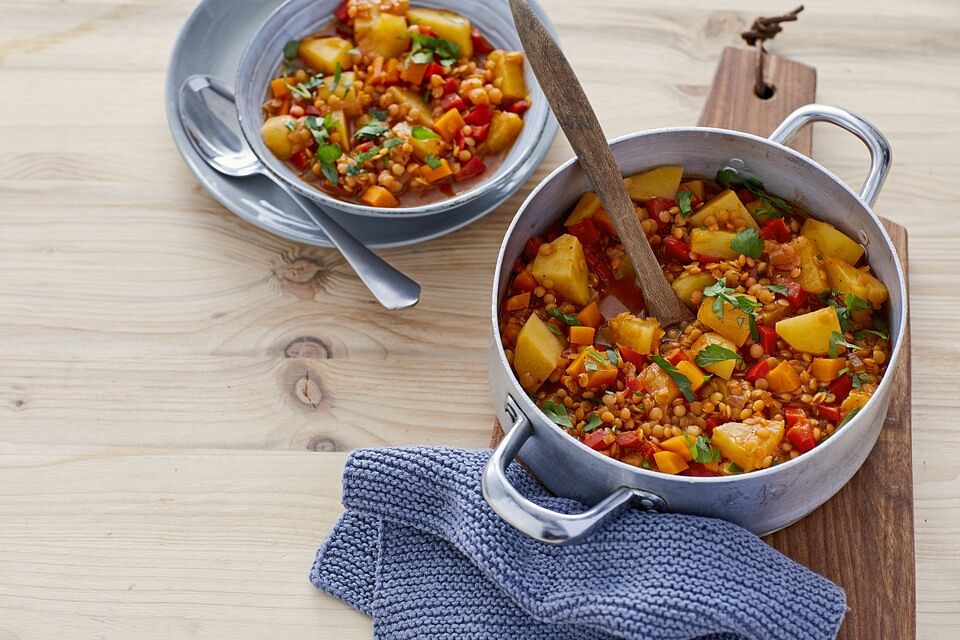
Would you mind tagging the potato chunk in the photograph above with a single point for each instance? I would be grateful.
(508, 70)
(276, 136)
(564, 267)
(813, 278)
(847, 279)
(725, 201)
(747, 444)
(832, 242)
(810, 332)
(724, 368)
(661, 182)
(323, 54)
(687, 283)
(447, 24)
(656, 380)
(588, 205)
(733, 324)
(537, 353)
(713, 244)
(412, 100)
(504, 129)
(641, 335)
(385, 34)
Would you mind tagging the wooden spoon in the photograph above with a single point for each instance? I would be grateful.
(580, 124)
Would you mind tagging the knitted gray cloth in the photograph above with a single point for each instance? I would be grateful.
(421, 552)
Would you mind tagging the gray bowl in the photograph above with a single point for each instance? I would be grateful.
(296, 18)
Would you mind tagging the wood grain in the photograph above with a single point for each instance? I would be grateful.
(134, 310)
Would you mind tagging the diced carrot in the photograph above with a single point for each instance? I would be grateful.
(413, 72)
(783, 379)
(827, 369)
(602, 219)
(525, 281)
(590, 315)
(279, 88)
(669, 462)
(432, 175)
(517, 302)
(449, 124)
(680, 445)
(377, 196)
(693, 373)
(601, 377)
(582, 335)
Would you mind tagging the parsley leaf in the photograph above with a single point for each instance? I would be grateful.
(733, 467)
(592, 423)
(373, 129)
(319, 128)
(684, 199)
(565, 318)
(432, 161)
(300, 89)
(837, 340)
(392, 142)
(703, 452)
(557, 412)
(336, 77)
(682, 381)
(290, 49)
(328, 154)
(859, 379)
(714, 353)
(847, 418)
(378, 114)
(612, 357)
(554, 329)
(771, 206)
(855, 303)
(422, 133)
(778, 288)
(425, 48)
(748, 242)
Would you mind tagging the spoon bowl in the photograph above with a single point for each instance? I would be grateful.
(209, 113)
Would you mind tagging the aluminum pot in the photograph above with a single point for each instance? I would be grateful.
(762, 501)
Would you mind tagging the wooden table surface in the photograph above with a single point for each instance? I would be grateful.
(161, 476)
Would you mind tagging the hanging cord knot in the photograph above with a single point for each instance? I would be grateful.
(760, 31)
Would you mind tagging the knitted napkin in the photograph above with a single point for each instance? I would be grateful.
(420, 551)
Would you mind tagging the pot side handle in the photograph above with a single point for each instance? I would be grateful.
(880, 152)
(539, 522)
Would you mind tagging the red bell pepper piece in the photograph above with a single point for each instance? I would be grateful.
(796, 296)
(599, 266)
(635, 358)
(366, 146)
(586, 231)
(480, 134)
(532, 247)
(518, 107)
(451, 85)
(712, 423)
(434, 69)
(525, 281)
(629, 440)
(596, 440)
(311, 110)
(341, 11)
(634, 385)
(759, 370)
(676, 357)
(840, 387)
(746, 196)
(479, 115)
(768, 339)
(427, 31)
(452, 101)
(794, 415)
(480, 44)
(708, 259)
(801, 437)
(830, 412)
(656, 205)
(300, 159)
(776, 229)
(473, 167)
(676, 250)
(698, 470)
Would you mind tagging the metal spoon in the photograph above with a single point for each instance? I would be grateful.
(209, 116)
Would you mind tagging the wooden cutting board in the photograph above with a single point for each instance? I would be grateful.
(862, 538)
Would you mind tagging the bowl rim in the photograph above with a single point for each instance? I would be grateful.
(577, 448)
(502, 174)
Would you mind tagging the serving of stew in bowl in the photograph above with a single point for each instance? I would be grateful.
(788, 344)
(388, 105)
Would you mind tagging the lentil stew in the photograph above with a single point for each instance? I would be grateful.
(393, 105)
(788, 344)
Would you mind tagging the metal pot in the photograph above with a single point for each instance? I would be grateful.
(762, 501)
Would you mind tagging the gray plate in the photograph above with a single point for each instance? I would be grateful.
(212, 41)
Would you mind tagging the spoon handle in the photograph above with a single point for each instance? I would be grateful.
(391, 288)
(580, 124)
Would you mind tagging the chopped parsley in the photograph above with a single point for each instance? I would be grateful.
(722, 293)
(748, 242)
(290, 49)
(682, 381)
(778, 288)
(327, 154)
(432, 161)
(426, 48)
(373, 129)
(684, 199)
(392, 142)
(555, 329)
(592, 423)
(847, 418)
(859, 379)
(557, 412)
(733, 467)
(378, 114)
(714, 353)
(837, 340)
(422, 133)
(612, 357)
(771, 206)
(320, 128)
(704, 452)
(565, 318)
(336, 78)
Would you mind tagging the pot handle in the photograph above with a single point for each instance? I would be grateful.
(539, 522)
(880, 153)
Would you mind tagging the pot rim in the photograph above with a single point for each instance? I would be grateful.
(576, 447)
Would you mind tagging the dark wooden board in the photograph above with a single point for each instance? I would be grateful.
(862, 538)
